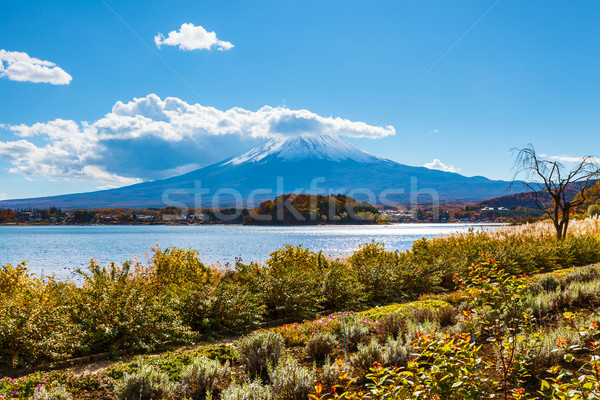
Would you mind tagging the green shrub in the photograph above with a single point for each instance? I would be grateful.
(204, 376)
(341, 288)
(119, 307)
(548, 283)
(378, 271)
(147, 383)
(593, 210)
(290, 381)
(226, 307)
(320, 346)
(35, 323)
(258, 351)
(251, 390)
(292, 283)
(55, 393)
(179, 268)
(449, 368)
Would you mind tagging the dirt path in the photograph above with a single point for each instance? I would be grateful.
(100, 365)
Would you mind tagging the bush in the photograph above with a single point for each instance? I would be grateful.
(147, 383)
(35, 323)
(179, 268)
(544, 353)
(421, 315)
(426, 327)
(120, 308)
(55, 393)
(291, 381)
(320, 345)
(204, 376)
(548, 283)
(593, 210)
(258, 351)
(227, 307)
(332, 372)
(341, 288)
(356, 331)
(251, 390)
(292, 284)
(379, 272)
(449, 368)
(583, 274)
(367, 355)
(446, 316)
(396, 353)
(392, 325)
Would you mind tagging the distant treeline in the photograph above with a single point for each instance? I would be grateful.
(304, 209)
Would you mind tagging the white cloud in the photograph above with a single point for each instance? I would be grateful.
(437, 164)
(190, 37)
(151, 138)
(568, 159)
(19, 66)
(3, 196)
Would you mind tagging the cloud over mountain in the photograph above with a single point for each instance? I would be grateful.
(191, 37)
(19, 66)
(440, 166)
(151, 138)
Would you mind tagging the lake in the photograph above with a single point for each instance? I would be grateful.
(63, 249)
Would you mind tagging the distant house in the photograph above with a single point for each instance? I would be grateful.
(502, 209)
(169, 217)
(144, 217)
(25, 216)
(487, 209)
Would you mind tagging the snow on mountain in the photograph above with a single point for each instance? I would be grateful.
(323, 147)
(299, 164)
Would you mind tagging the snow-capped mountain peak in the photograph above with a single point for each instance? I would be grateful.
(306, 146)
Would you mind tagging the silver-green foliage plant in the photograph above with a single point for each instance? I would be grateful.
(396, 353)
(55, 393)
(356, 331)
(543, 350)
(291, 381)
(367, 355)
(204, 376)
(251, 390)
(258, 351)
(320, 346)
(147, 383)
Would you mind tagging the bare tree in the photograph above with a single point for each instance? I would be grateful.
(567, 189)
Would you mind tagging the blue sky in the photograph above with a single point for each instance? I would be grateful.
(528, 72)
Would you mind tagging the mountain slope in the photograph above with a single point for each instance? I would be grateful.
(301, 164)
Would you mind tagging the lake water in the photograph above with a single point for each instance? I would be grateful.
(62, 249)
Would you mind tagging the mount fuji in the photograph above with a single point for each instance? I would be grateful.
(318, 164)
